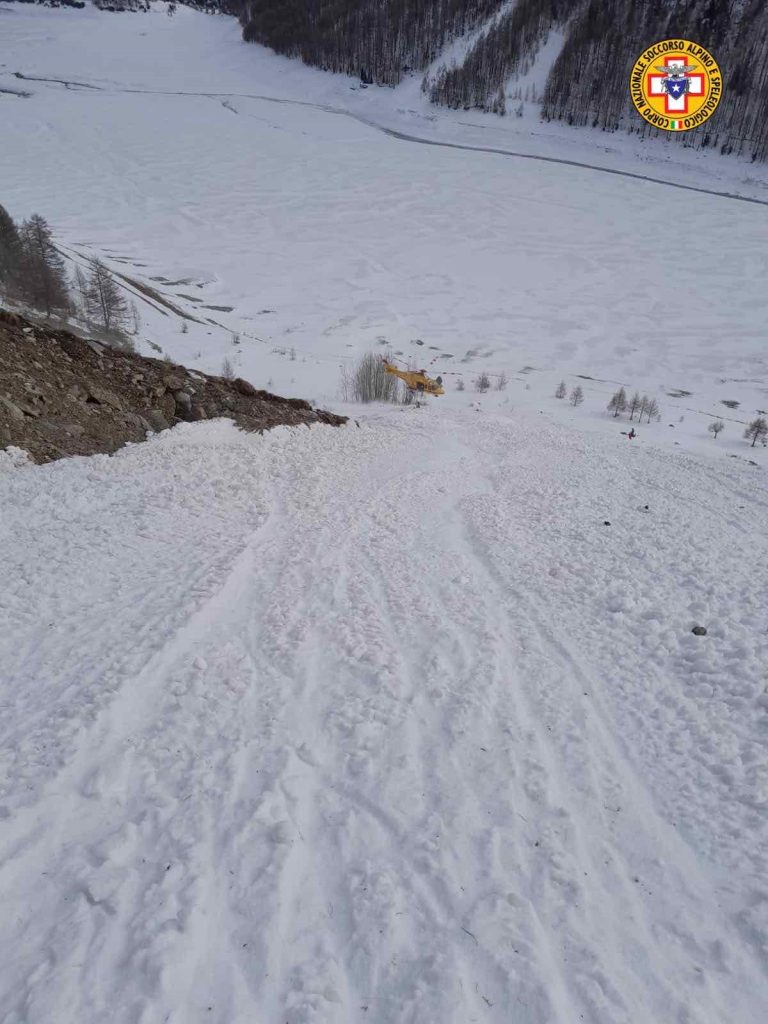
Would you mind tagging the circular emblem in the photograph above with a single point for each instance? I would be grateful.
(676, 85)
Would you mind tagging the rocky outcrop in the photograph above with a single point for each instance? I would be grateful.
(64, 395)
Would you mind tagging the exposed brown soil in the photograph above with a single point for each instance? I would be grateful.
(62, 395)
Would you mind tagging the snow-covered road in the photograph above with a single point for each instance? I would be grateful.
(384, 724)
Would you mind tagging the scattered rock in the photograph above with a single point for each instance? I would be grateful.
(137, 421)
(13, 411)
(243, 387)
(30, 410)
(699, 631)
(64, 395)
(157, 421)
(55, 427)
(101, 396)
(77, 393)
(78, 349)
(606, 522)
(183, 404)
(166, 403)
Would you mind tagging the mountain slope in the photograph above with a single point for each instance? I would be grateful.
(383, 723)
(587, 84)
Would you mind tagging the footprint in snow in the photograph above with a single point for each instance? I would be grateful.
(305, 754)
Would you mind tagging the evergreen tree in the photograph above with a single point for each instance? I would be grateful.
(43, 281)
(105, 304)
(10, 253)
(618, 403)
(634, 404)
(376, 40)
(757, 430)
(380, 41)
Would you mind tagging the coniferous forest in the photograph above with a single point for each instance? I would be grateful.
(382, 40)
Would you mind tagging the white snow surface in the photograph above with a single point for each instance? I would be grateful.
(265, 199)
(384, 723)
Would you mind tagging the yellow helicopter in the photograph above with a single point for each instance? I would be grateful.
(416, 380)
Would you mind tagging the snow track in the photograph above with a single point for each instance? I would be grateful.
(382, 724)
(226, 102)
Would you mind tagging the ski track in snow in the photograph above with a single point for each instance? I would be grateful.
(393, 730)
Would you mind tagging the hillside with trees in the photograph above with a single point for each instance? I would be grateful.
(383, 40)
(33, 277)
(379, 40)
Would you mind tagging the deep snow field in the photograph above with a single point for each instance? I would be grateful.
(385, 723)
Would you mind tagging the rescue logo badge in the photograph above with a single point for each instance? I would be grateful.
(676, 85)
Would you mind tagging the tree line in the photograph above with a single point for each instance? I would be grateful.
(637, 405)
(506, 48)
(381, 40)
(33, 274)
(377, 40)
(588, 82)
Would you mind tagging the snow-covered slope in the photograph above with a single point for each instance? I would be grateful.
(315, 236)
(384, 723)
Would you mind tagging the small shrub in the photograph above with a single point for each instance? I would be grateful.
(483, 383)
(369, 382)
(562, 390)
(460, 386)
(716, 427)
(577, 395)
(501, 382)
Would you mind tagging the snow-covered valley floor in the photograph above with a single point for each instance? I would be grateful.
(265, 201)
(383, 723)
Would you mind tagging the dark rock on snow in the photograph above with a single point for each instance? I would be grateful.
(64, 395)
